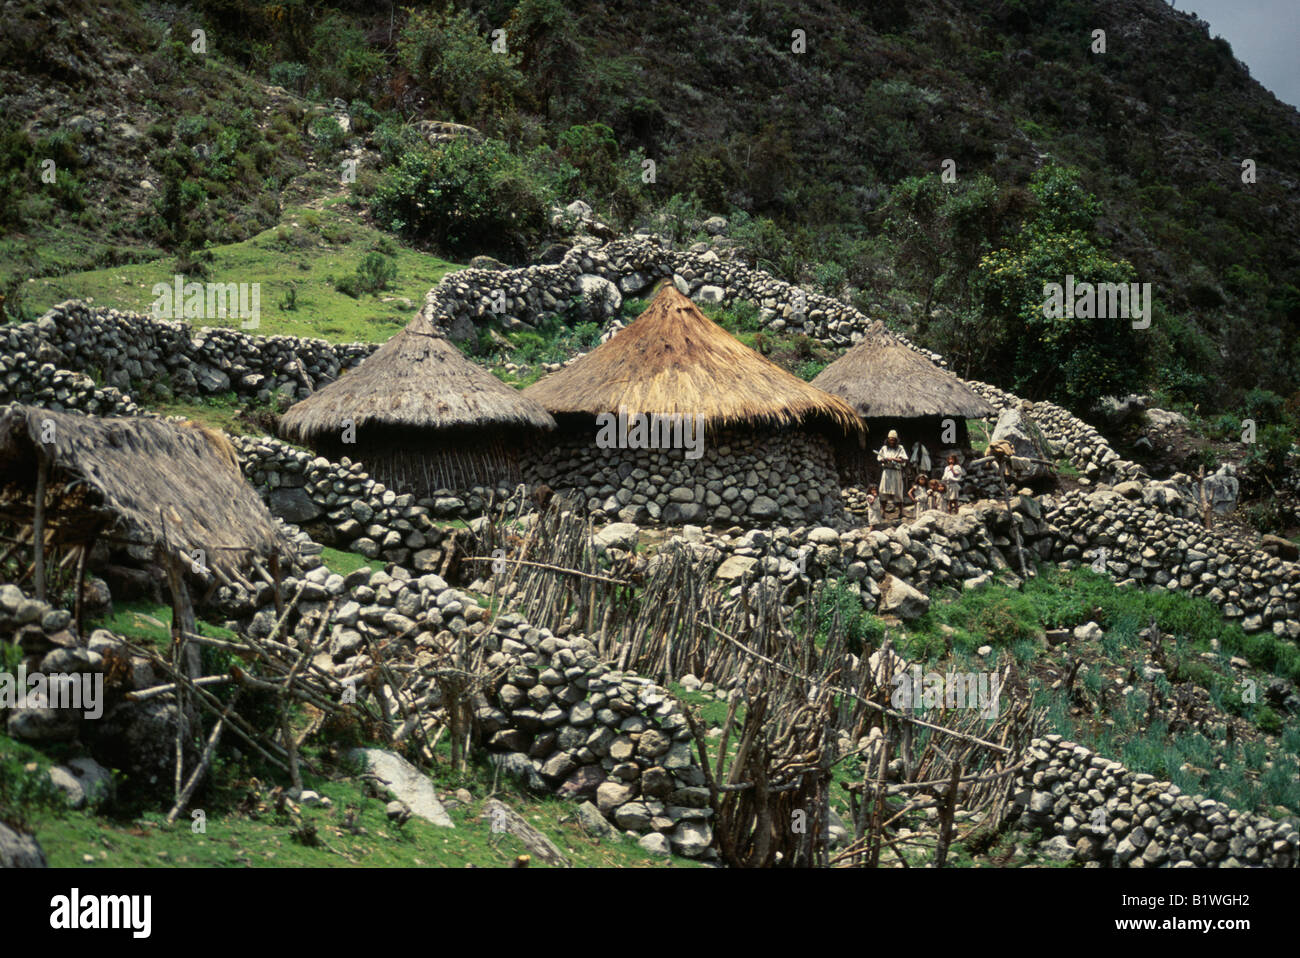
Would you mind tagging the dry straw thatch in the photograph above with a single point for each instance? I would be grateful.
(674, 360)
(417, 379)
(882, 378)
(144, 481)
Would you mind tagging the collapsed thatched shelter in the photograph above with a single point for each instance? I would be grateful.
(175, 489)
(892, 386)
(421, 417)
(675, 419)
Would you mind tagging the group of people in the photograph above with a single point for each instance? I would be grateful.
(926, 492)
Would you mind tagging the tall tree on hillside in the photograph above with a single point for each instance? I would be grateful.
(1077, 357)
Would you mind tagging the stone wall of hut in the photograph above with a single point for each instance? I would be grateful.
(751, 478)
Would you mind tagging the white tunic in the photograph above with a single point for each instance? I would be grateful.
(952, 476)
(891, 459)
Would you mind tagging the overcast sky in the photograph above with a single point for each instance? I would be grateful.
(1265, 35)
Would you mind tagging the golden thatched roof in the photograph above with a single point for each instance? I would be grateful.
(674, 360)
(416, 379)
(881, 377)
(146, 481)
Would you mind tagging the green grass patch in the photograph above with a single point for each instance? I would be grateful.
(150, 623)
(299, 264)
(345, 563)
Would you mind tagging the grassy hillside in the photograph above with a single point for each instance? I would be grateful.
(298, 263)
(826, 156)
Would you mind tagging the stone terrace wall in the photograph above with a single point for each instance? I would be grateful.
(1143, 823)
(741, 477)
(177, 357)
(344, 507)
(1146, 546)
(465, 299)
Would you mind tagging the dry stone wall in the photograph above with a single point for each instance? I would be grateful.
(344, 507)
(1146, 543)
(1101, 813)
(176, 357)
(784, 476)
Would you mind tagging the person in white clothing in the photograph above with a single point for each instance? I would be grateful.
(874, 518)
(892, 458)
(952, 477)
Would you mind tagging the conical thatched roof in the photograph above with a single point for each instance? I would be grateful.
(144, 481)
(880, 377)
(674, 360)
(416, 379)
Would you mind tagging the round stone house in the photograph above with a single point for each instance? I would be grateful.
(674, 420)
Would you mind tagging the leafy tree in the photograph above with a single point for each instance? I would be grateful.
(1072, 359)
(457, 68)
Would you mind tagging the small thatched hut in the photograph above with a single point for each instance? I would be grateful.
(753, 439)
(421, 417)
(177, 490)
(894, 387)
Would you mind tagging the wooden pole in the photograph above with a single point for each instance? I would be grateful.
(80, 604)
(38, 523)
(275, 578)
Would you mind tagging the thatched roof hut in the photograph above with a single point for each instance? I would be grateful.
(892, 386)
(674, 360)
(424, 416)
(767, 456)
(883, 379)
(174, 488)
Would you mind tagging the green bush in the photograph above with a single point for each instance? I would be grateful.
(466, 198)
(289, 75)
(375, 272)
(328, 133)
(464, 78)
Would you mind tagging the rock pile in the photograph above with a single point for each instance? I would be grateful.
(567, 720)
(1105, 815)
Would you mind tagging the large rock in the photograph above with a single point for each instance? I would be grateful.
(140, 739)
(211, 379)
(19, 851)
(83, 780)
(736, 567)
(617, 535)
(1015, 427)
(900, 599)
(1221, 490)
(293, 505)
(600, 298)
(406, 783)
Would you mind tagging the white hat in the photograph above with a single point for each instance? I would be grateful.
(893, 434)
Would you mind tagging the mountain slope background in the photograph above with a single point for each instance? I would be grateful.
(828, 160)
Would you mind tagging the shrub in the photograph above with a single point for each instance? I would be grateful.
(375, 272)
(289, 75)
(464, 77)
(328, 133)
(466, 198)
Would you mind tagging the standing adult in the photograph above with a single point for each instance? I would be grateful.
(892, 458)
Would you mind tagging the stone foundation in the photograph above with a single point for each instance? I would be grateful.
(786, 476)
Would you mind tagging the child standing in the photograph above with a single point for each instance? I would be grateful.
(936, 494)
(919, 494)
(952, 477)
(874, 516)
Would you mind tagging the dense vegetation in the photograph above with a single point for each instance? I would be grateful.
(935, 165)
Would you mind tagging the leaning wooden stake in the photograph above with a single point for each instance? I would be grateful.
(38, 524)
